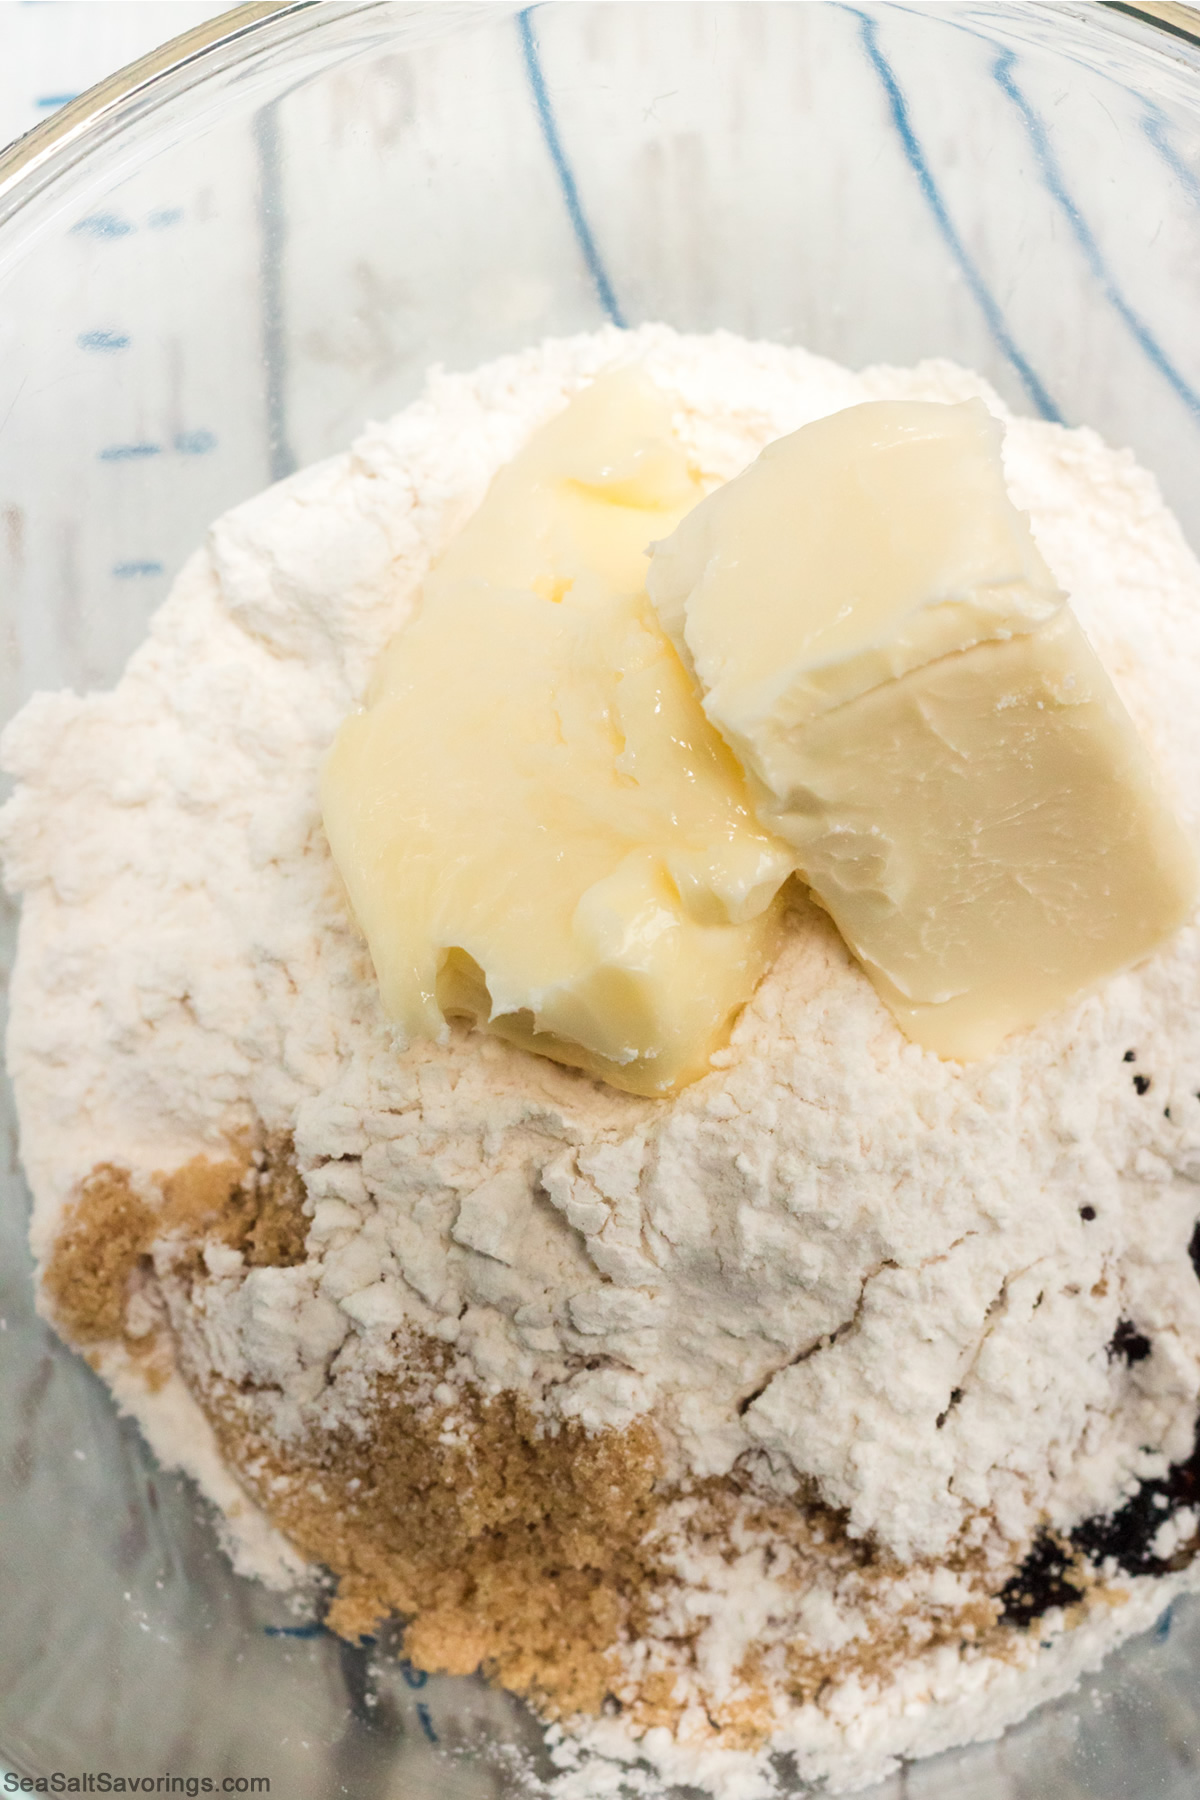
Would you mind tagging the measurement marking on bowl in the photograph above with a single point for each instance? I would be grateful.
(426, 1721)
(128, 452)
(195, 443)
(102, 340)
(104, 225)
(128, 571)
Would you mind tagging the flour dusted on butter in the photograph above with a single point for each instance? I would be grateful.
(835, 1262)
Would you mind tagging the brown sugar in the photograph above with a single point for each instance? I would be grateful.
(255, 1206)
(197, 1194)
(541, 1555)
(505, 1546)
(545, 1555)
(252, 1201)
(107, 1232)
(275, 1224)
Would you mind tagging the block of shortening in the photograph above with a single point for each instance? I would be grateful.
(877, 637)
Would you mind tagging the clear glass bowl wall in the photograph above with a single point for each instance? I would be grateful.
(216, 282)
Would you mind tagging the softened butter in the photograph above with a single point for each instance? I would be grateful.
(536, 824)
(879, 640)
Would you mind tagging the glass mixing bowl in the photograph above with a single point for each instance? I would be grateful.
(211, 271)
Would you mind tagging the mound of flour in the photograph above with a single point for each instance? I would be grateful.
(894, 1282)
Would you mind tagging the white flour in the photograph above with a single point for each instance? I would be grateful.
(916, 1268)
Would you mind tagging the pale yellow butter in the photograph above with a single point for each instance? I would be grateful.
(878, 638)
(536, 824)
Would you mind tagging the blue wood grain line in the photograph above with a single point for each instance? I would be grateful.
(584, 236)
(272, 226)
(1056, 186)
(1158, 131)
(919, 163)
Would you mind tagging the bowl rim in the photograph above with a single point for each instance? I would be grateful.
(1179, 19)
(35, 161)
(102, 96)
